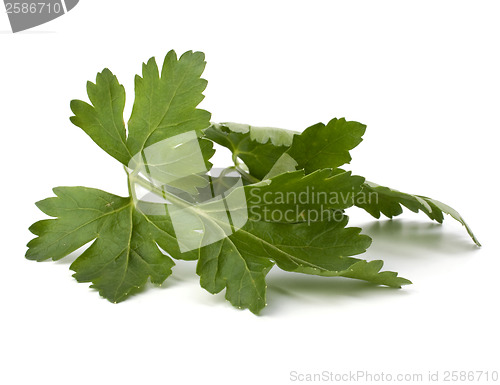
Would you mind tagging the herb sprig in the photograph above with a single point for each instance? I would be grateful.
(130, 244)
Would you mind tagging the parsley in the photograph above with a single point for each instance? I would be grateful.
(255, 216)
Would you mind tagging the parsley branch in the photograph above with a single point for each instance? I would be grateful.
(236, 226)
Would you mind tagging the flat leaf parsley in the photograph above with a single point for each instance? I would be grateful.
(282, 203)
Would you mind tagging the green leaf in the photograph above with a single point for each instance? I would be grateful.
(258, 147)
(233, 265)
(366, 271)
(123, 253)
(241, 261)
(321, 146)
(165, 105)
(378, 200)
(236, 253)
(103, 120)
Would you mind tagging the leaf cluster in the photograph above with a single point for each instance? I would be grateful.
(130, 245)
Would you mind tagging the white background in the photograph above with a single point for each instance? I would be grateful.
(424, 76)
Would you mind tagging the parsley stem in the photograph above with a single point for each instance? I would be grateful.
(238, 166)
(134, 178)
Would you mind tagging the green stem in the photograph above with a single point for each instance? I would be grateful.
(237, 164)
(133, 178)
(131, 191)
